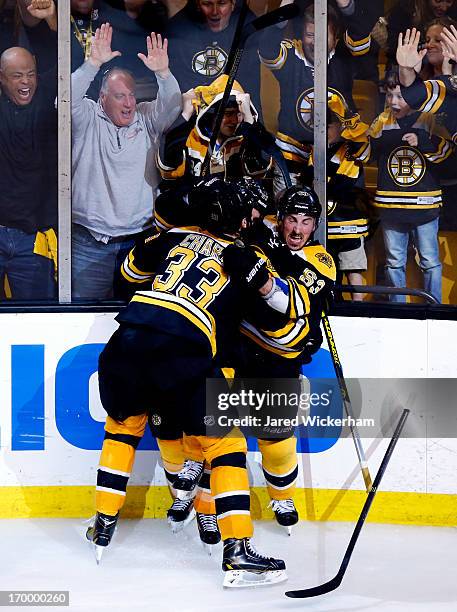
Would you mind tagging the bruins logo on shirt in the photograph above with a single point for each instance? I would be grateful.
(305, 107)
(406, 166)
(210, 62)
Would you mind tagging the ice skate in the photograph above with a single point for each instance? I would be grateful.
(208, 531)
(245, 567)
(180, 514)
(101, 532)
(188, 478)
(285, 512)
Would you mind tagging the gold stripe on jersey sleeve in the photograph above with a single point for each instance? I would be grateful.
(179, 305)
(271, 349)
(436, 92)
(160, 222)
(133, 274)
(278, 62)
(357, 47)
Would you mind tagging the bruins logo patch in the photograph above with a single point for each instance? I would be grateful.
(210, 62)
(325, 259)
(406, 166)
(305, 107)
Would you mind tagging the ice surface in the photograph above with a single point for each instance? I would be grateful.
(393, 568)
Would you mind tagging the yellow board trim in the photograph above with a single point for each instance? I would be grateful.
(313, 504)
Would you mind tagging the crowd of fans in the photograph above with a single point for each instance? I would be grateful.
(147, 76)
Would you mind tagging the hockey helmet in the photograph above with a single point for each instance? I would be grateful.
(220, 204)
(299, 200)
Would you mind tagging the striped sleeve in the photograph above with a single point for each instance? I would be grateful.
(136, 267)
(425, 96)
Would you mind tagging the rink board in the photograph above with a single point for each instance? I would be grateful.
(51, 425)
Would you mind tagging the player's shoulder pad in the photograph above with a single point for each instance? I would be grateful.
(318, 257)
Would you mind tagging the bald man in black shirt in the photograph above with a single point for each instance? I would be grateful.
(28, 179)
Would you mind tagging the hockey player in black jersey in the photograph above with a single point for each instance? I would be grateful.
(275, 355)
(169, 341)
(290, 248)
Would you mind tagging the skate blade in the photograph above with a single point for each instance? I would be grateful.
(186, 495)
(176, 526)
(244, 579)
(208, 548)
(288, 528)
(98, 551)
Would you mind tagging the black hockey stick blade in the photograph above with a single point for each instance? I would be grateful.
(335, 582)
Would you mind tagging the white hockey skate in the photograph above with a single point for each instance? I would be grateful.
(243, 566)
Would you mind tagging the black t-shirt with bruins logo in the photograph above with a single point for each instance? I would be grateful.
(198, 55)
(408, 183)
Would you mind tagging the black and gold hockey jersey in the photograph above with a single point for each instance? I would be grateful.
(192, 297)
(312, 273)
(295, 74)
(438, 97)
(407, 180)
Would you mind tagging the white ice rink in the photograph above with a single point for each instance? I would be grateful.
(393, 568)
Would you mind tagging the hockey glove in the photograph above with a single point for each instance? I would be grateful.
(243, 265)
(286, 263)
(312, 345)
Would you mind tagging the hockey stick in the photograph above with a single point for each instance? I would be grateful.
(347, 402)
(335, 582)
(242, 33)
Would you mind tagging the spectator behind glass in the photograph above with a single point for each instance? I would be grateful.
(432, 64)
(415, 13)
(114, 174)
(237, 151)
(131, 20)
(408, 146)
(202, 34)
(28, 176)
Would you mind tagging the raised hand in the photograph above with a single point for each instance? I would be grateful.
(408, 55)
(449, 43)
(42, 9)
(157, 57)
(101, 46)
(244, 105)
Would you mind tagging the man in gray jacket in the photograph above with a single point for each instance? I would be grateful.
(114, 174)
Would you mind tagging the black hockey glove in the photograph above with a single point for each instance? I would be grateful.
(285, 262)
(243, 265)
(312, 345)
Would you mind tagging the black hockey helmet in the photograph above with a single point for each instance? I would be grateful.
(299, 200)
(220, 204)
(254, 193)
